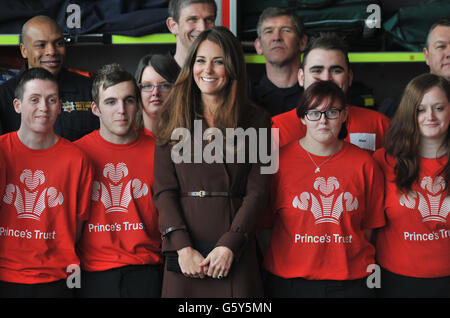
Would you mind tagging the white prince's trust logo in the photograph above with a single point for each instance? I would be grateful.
(329, 205)
(117, 196)
(432, 203)
(29, 202)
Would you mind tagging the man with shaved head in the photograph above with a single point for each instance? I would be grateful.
(42, 45)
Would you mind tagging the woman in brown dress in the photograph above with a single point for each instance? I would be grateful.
(209, 209)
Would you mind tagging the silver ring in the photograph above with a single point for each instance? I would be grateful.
(220, 276)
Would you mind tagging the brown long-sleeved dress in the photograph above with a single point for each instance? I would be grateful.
(222, 221)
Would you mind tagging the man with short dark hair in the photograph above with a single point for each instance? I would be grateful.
(437, 57)
(46, 198)
(187, 19)
(326, 59)
(437, 49)
(42, 45)
(281, 40)
(120, 245)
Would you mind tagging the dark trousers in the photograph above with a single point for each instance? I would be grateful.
(57, 289)
(398, 286)
(133, 281)
(278, 287)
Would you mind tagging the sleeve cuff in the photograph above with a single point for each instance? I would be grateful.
(235, 241)
(176, 240)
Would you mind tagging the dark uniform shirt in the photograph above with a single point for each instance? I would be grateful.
(76, 118)
(273, 99)
(389, 105)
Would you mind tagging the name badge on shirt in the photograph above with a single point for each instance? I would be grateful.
(364, 140)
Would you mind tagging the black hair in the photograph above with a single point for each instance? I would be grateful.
(32, 74)
(164, 65)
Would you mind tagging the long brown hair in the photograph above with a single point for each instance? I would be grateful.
(403, 137)
(183, 105)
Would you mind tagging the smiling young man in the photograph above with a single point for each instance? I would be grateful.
(326, 59)
(120, 244)
(187, 19)
(42, 205)
(43, 45)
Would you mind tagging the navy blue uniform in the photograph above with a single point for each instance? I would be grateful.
(273, 99)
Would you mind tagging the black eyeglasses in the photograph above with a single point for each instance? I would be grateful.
(150, 87)
(315, 115)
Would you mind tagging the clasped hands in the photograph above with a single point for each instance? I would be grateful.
(216, 264)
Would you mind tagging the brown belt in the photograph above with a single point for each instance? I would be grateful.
(202, 194)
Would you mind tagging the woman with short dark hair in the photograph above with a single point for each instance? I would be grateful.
(155, 75)
(326, 198)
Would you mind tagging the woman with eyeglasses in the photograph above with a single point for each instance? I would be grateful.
(155, 75)
(326, 198)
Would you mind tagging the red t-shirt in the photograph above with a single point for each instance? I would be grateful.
(47, 192)
(366, 128)
(2, 172)
(318, 218)
(148, 132)
(123, 225)
(416, 239)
